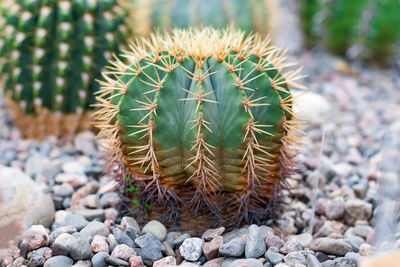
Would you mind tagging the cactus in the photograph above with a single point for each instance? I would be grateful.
(248, 15)
(342, 24)
(202, 120)
(52, 52)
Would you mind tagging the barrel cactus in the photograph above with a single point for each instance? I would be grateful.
(202, 121)
(248, 15)
(52, 51)
(369, 26)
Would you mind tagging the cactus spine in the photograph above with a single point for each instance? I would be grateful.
(52, 52)
(202, 118)
(247, 15)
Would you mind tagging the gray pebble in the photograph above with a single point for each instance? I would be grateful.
(80, 249)
(96, 228)
(62, 244)
(227, 262)
(209, 234)
(92, 202)
(98, 260)
(335, 208)
(274, 241)
(355, 256)
(247, 263)
(132, 232)
(123, 238)
(234, 234)
(78, 221)
(295, 258)
(59, 261)
(149, 241)
(312, 261)
(150, 255)
(291, 245)
(64, 190)
(36, 258)
(115, 261)
(155, 228)
(129, 221)
(69, 229)
(255, 245)
(331, 246)
(192, 248)
(355, 242)
(274, 257)
(177, 242)
(234, 248)
(109, 199)
(91, 214)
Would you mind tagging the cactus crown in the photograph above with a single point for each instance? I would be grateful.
(247, 15)
(53, 50)
(201, 113)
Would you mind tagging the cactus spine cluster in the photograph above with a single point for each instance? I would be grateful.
(52, 52)
(372, 26)
(163, 15)
(202, 119)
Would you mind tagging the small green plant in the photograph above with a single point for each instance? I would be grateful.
(202, 120)
(164, 15)
(52, 51)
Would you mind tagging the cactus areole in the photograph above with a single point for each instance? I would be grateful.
(51, 53)
(202, 119)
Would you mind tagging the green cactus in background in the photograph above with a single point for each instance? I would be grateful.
(52, 52)
(384, 28)
(247, 15)
(341, 24)
(202, 119)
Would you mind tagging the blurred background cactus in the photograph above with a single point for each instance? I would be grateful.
(52, 52)
(203, 121)
(247, 15)
(369, 28)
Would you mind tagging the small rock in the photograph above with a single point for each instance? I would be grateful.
(366, 250)
(99, 243)
(123, 252)
(129, 221)
(312, 261)
(322, 257)
(331, 246)
(59, 261)
(84, 143)
(234, 234)
(274, 257)
(69, 229)
(168, 250)
(110, 199)
(82, 263)
(92, 202)
(335, 208)
(274, 241)
(362, 230)
(155, 228)
(74, 179)
(115, 261)
(62, 244)
(355, 256)
(64, 190)
(80, 249)
(165, 262)
(73, 167)
(96, 228)
(149, 241)
(255, 245)
(191, 249)
(136, 261)
(294, 258)
(91, 214)
(209, 234)
(211, 248)
(291, 245)
(343, 262)
(355, 242)
(246, 263)
(123, 238)
(304, 239)
(358, 209)
(234, 248)
(150, 255)
(178, 241)
(112, 242)
(78, 221)
(98, 260)
(37, 236)
(36, 257)
(132, 232)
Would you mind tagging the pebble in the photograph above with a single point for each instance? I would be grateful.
(129, 222)
(36, 257)
(255, 245)
(366, 250)
(98, 260)
(246, 263)
(358, 209)
(274, 241)
(331, 246)
(150, 255)
(80, 249)
(110, 199)
(211, 248)
(115, 261)
(294, 258)
(136, 261)
(191, 249)
(76, 220)
(59, 261)
(335, 208)
(274, 257)
(74, 179)
(99, 243)
(210, 234)
(178, 241)
(165, 262)
(149, 241)
(291, 245)
(304, 239)
(355, 256)
(355, 242)
(68, 229)
(91, 214)
(155, 228)
(64, 190)
(234, 248)
(36, 236)
(92, 202)
(362, 230)
(123, 238)
(96, 228)
(62, 244)
(312, 261)
(123, 252)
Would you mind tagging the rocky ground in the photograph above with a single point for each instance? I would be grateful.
(72, 206)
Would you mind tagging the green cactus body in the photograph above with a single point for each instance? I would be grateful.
(248, 15)
(202, 113)
(53, 50)
(384, 28)
(341, 24)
